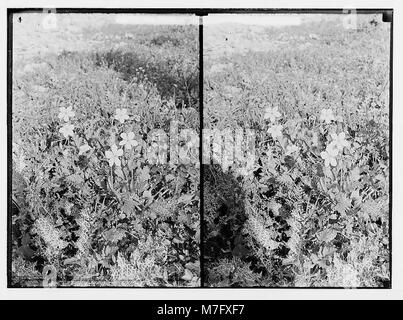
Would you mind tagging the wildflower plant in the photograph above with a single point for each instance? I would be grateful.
(66, 113)
(67, 130)
(128, 140)
(113, 155)
(272, 114)
(121, 115)
(275, 131)
(326, 115)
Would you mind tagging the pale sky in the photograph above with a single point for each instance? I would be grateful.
(250, 19)
(254, 19)
(156, 19)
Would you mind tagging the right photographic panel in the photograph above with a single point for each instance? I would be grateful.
(296, 150)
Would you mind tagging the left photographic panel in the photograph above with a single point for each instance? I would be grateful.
(103, 150)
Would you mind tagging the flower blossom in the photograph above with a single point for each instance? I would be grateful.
(128, 140)
(66, 113)
(315, 139)
(67, 130)
(113, 155)
(327, 116)
(83, 149)
(276, 131)
(121, 115)
(340, 140)
(272, 114)
(292, 148)
(330, 154)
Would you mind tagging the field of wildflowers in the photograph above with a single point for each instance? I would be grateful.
(314, 209)
(105, 154)
(93, 203)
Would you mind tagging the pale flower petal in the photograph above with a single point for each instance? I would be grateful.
(340, 140)
(332, 149)
(66, 113)
(272, 114)
(275, 131)
(67, 130)
(121, 115)
(128, 140)
(327, 116)
(119, 153)
(83, 149)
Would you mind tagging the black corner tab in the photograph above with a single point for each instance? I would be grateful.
(387, 16)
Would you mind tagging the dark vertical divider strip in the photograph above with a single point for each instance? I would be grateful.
(9, 141)
(201, 151)
(390, 145)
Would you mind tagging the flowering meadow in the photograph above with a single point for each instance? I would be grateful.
(314, 210)
(106, 178)
(91, 205)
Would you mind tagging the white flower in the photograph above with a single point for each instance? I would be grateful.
(272, 114)
(121, 115)
(243, 171)
(327, 115)
(275, 131)
(329, 158)
(193, 141)
(128, 140)
(332, 149)
(18, 157)
(67, 130)
(291, 149)
(113, 155)
(83, 149)
(66, 113)
(330, 154)
(340, 140)
(315, 139)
